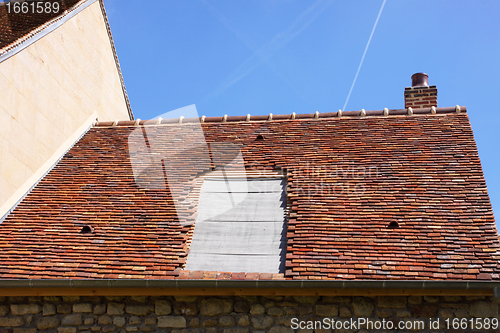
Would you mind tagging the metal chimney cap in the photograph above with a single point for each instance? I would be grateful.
(420, 80)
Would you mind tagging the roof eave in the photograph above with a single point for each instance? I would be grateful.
(124, 287)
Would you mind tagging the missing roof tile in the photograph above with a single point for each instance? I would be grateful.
(393, 225)
(86, 229)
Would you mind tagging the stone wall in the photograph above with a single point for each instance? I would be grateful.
(223, 314)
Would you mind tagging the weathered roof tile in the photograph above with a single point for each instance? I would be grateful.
(377, 197)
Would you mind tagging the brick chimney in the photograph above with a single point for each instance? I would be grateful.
(420, 95)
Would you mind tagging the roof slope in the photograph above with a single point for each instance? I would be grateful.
(348, 179)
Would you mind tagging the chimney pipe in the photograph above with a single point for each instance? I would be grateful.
(420, 80)
(420, 94)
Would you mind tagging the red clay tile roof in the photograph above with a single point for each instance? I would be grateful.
(349, 178)
(14, 26)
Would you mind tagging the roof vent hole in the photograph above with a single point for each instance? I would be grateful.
(259, 138)
(393, 225)
(87, 229)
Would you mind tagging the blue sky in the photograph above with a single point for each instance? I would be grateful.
(284, 56)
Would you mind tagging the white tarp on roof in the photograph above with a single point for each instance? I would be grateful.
(240, 226)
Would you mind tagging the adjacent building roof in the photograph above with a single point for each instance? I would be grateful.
(14, 26)
(375, 195)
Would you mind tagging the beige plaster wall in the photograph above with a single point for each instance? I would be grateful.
(49, 89)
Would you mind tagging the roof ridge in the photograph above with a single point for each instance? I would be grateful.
(260, 118)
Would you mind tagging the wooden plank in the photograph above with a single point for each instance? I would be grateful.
(241, 207)
(243, 185)
(239, 291)
(238, 231)
(238, 262)
(239, 238)
(248, 174)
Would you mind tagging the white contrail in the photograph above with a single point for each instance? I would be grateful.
(364, 53)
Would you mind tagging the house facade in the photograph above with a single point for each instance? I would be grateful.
(341, 221)
(384, 216)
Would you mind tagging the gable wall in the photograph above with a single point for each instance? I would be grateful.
(52, 87)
